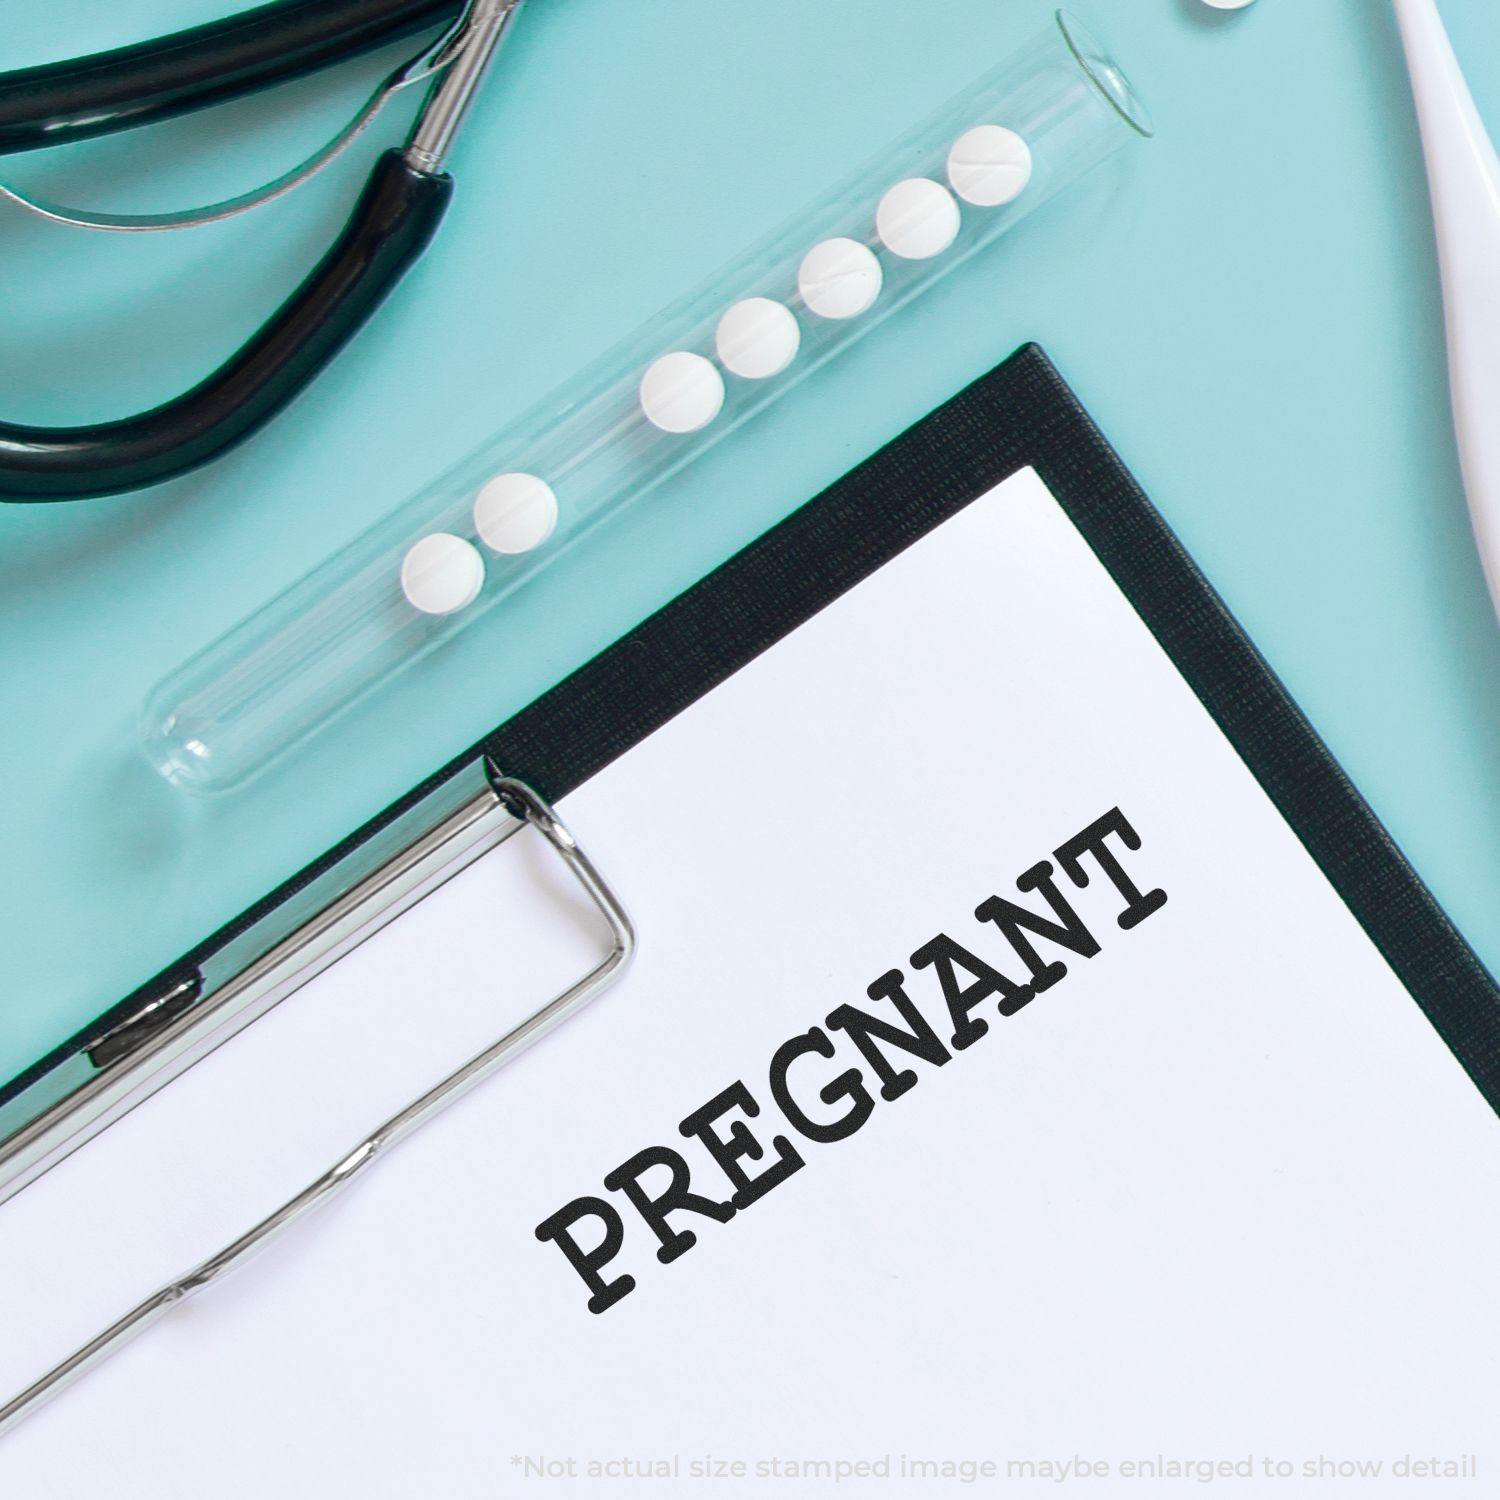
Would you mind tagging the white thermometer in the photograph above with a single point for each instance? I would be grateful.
(1464, 173)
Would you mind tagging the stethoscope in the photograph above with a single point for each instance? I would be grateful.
(392, 222)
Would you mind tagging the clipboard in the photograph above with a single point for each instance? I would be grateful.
(1020, 415)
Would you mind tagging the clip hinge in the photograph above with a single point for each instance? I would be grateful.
(142, 1024)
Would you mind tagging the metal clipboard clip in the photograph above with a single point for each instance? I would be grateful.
(502, 808)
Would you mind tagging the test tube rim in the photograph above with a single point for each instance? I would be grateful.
(1118, 92)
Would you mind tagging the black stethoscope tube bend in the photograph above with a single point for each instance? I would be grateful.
(396, 216)
(391, 224)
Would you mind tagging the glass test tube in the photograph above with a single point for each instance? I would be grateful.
(443, 559)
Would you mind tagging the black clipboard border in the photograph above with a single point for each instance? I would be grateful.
(1021, 414)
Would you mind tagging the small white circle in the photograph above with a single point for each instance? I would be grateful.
(839, 278)
(441, 573)
(515, 512)
(757, 338)
(682, 392)
(989, 165)
(917, 219)
(1228, 4)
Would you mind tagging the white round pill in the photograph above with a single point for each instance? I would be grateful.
(682, 392)
(441, 573)
(917, 219)
(839, 278)
(515, 512)
(757, 338)
(989, 165)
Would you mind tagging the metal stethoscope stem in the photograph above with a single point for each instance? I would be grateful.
(483, 29)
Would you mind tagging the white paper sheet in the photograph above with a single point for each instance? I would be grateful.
(1219, 1195)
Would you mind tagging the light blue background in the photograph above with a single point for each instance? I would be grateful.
(1249, 308)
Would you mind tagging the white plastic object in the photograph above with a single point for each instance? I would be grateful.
(515, 513)
(1464, 174)
(989, 165)
(917, 219)
(348, 629)
(441, 574)
(681, 392)
(1229, 4)
(839, 278)
(757, 338)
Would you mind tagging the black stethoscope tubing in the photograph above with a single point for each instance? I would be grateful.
(392, 222)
